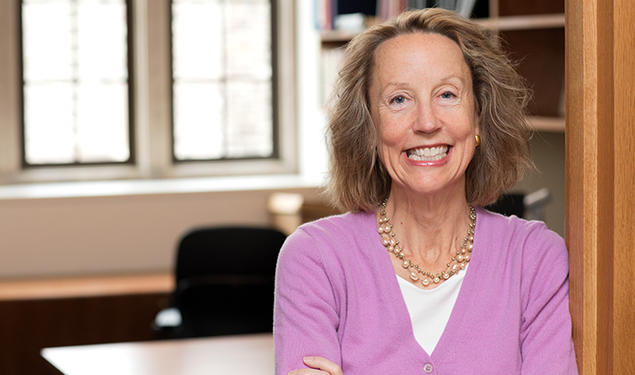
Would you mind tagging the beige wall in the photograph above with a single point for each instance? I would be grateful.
(114, 234)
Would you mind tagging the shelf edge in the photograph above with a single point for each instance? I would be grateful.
(547, 124)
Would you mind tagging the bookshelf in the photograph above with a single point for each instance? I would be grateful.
(532, 35)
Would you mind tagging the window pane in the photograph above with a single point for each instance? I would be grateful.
(46, 42)
(222, 91)
(249, 104)
(248, 55)
(75, 81)
(48, 111)
(101, 128)
(102, 40)
(200, 106)
(197, 33)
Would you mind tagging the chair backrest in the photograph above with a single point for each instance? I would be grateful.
(225, 280)
(509, 204)
(228, 252)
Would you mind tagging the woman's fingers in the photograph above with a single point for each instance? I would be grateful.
(307, 371)
(323, 364)
(319, 366)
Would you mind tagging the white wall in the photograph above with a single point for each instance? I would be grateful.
(114, 234)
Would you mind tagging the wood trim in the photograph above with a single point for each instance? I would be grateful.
(624, 201)
(537, 21)
(577, 213)
(546, 124)
(600, 79)
(581, 160)
(89, 286)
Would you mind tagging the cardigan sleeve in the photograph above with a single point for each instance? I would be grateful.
(546, 343)
(305, 308)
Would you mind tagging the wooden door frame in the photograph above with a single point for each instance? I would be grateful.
(600, 178)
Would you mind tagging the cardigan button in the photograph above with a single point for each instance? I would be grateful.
(428, 368)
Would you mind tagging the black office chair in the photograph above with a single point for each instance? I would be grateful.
(509, 204)
(224, 283)
(529, 206)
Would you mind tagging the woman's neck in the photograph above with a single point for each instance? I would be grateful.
(430, 227)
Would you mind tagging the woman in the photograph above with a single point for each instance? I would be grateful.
(427, 128)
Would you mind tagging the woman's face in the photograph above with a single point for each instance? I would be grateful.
(422, 104)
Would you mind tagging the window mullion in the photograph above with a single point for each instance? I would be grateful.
(152, 81)
(10, 149)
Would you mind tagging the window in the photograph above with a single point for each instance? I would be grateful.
(75, 82)
(222, 79)
(141, 58)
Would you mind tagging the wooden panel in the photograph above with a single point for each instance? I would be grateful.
(28, 326)
(600, 179)
(581, 171)
(624, 205)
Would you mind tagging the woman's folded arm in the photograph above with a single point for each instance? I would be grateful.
(305, 310)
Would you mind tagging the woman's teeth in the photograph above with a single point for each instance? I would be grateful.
(428, 153)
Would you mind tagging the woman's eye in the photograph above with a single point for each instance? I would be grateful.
(448, 95)
(400, 99)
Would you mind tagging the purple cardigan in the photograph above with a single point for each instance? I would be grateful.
(337, 297)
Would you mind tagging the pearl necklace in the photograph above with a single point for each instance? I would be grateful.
(456, 263)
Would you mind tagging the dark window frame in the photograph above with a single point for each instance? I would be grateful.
(275, 139)
(131, 97)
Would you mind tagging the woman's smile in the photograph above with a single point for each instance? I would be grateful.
(428, 154)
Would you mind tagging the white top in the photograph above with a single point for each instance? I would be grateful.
(430, 309)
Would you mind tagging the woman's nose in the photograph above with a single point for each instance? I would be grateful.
(426, 119)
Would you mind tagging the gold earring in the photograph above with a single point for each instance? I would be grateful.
(477, 138)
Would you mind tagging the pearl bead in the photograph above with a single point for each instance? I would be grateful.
(414, 276)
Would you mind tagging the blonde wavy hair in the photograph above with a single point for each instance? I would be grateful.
(358, 179)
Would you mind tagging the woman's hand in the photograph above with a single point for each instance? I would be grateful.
(319, 366)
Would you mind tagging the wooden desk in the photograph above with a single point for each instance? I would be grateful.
(86, 286)
(236, 355)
